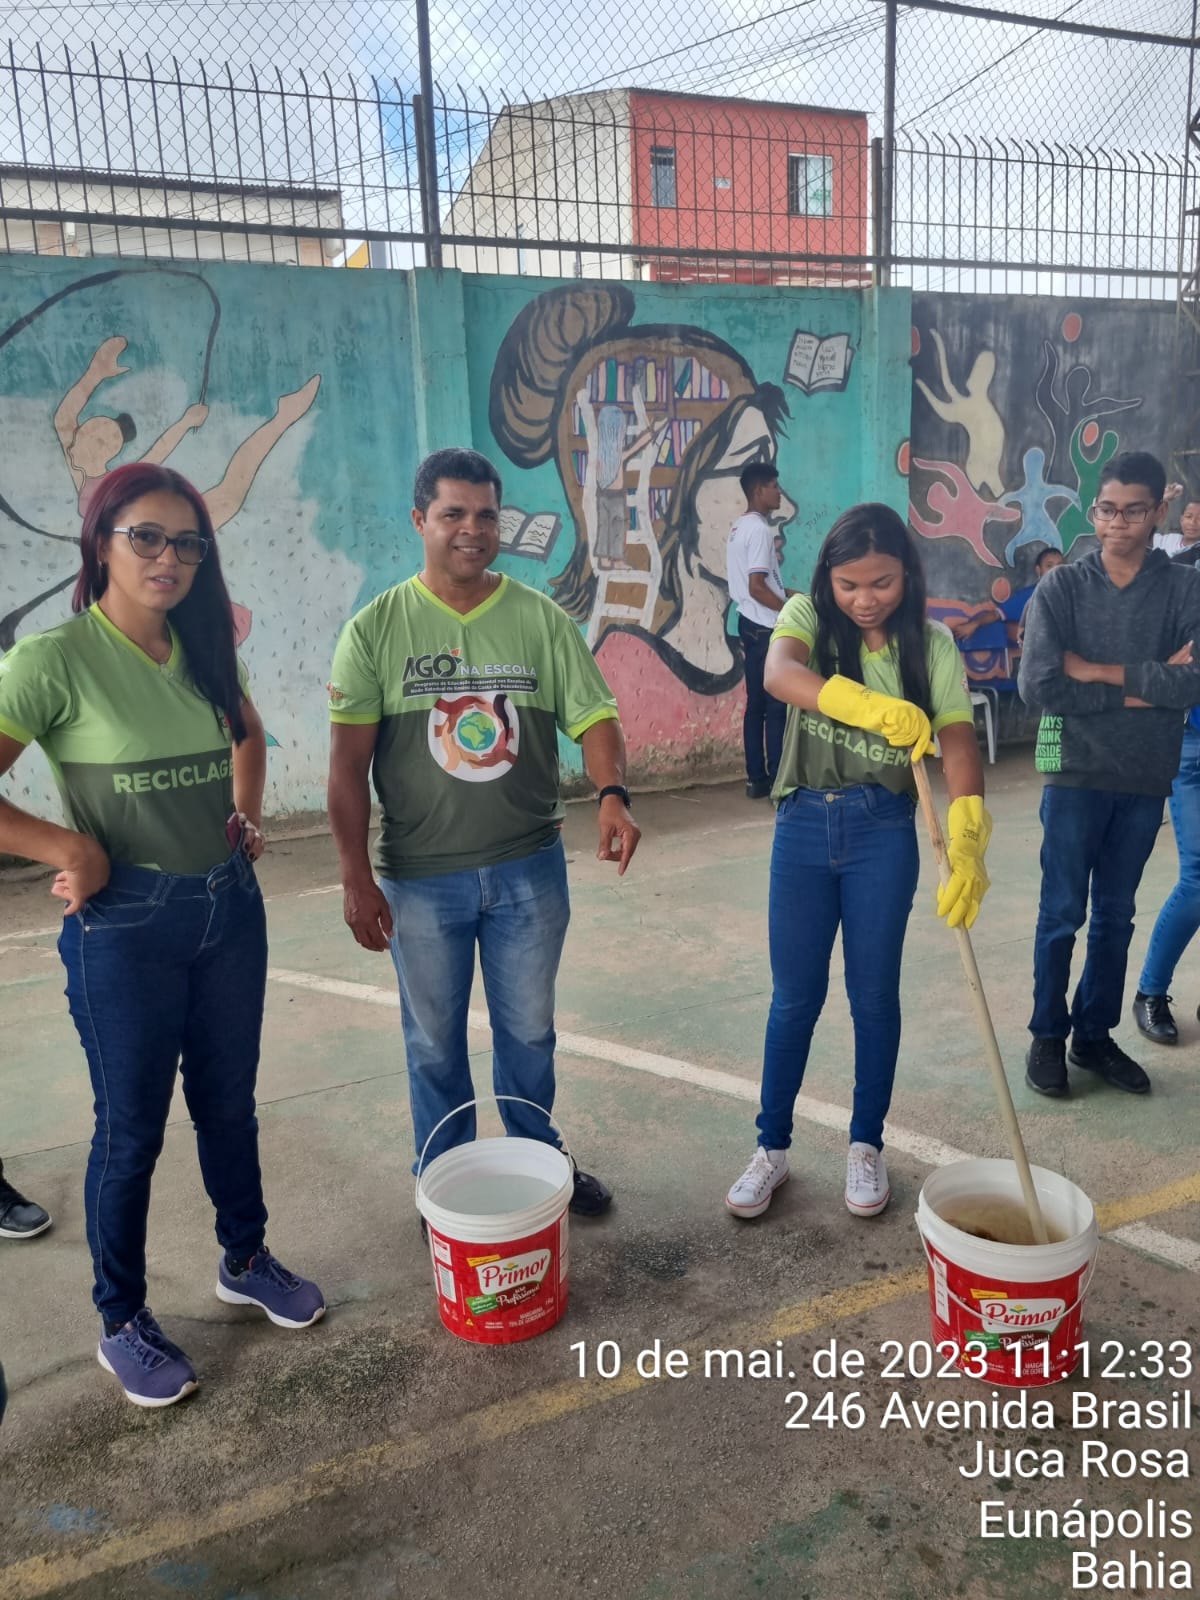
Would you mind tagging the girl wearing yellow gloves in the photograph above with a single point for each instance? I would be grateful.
(868, 681)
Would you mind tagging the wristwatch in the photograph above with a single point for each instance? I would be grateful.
(618, 789)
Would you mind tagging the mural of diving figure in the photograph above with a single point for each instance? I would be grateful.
(90, 446)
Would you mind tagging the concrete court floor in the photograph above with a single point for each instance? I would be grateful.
(375, 1455)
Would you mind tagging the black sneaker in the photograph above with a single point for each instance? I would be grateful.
(758, 789)
(591, 1198)
(1046, 1068)
(20, 1218)
(1152, 1013)
(1106, 1058)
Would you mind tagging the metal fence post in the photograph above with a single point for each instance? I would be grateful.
(1187, 308)
(431, 219)
(888, 171)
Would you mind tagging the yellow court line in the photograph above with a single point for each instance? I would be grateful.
(1183, 1192)
(505, 1419)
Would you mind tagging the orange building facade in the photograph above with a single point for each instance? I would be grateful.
(740, 191)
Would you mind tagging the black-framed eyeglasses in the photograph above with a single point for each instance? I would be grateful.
(1131, 516)
(148, 541)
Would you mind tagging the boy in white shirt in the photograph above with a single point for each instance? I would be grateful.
(752, 563)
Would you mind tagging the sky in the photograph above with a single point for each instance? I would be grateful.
(959, 79)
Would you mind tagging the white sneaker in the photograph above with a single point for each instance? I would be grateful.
(867, 1189)
(751, 1194)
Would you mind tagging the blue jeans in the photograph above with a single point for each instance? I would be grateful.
(1180, 916)
(517, 913)
(848, 857)
(167, 973)
(1099, 841)
(765, 717)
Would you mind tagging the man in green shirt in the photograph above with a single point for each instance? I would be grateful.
(450, 690)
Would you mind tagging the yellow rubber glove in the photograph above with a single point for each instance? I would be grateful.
(970, 830)
(899, 721)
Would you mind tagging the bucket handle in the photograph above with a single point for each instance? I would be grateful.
(1063, 1315)
(485, 1099)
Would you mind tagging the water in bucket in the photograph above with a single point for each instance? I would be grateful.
(999, 1221)
(1012, 1309)
(494, 1194)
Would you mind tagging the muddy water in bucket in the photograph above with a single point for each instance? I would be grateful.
(1012, 1310)
(998, 1221)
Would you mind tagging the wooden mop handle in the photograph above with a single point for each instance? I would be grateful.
(983, 1016)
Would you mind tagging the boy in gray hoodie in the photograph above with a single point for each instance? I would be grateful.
(1108, 659)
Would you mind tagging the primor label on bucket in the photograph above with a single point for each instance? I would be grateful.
(507, 1281)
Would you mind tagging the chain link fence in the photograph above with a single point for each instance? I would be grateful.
(833, 141)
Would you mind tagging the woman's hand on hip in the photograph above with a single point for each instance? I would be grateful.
(85, 875)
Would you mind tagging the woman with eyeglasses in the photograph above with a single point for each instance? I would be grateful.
(142, 709)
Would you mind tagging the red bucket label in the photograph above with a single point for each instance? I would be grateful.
(1025, 1333)
(499, 1293)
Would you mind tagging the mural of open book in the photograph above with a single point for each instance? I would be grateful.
(815, 363)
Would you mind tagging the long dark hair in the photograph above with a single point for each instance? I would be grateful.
(203, 619)
(861, 531)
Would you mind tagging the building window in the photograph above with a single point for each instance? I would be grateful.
(810, 186)
(662, 175)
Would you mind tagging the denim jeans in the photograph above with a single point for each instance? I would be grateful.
(764, 717)
(848, 857)
(517, 914)
(165, 973)
(1180, 916)
(1099, 841)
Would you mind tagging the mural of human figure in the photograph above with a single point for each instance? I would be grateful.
(696, 415)
(971, 408)
(612, 456)
(91, 446)
(1065, 396)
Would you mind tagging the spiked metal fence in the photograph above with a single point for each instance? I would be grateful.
(796, 145)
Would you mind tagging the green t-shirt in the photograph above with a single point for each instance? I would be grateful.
(469, 708)
(142, 760)
(819, 753)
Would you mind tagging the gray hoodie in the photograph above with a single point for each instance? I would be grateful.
(1088, 738)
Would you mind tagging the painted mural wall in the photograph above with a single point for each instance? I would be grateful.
(289, 406)
(620, 417)
(1017, 404)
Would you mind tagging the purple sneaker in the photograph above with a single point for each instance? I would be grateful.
(289, 1301)
(151, 1370)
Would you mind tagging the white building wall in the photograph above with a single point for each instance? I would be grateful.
(556, 169)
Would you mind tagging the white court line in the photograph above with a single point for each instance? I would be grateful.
(1178, 1252)
(823, 1112)
(1154, 1242)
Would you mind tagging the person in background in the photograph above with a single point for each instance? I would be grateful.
(868, 680)
(19, 1218)
(756, 588)
(465, 759)
(1188, 553)
(141, 706)
(1179, 918)
(1166, 540)
(1014, 608)
(1108, 745)
(1011, 610)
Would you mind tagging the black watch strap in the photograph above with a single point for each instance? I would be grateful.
(615, 788)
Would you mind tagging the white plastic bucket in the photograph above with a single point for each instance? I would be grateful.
(496, 1211)
(1013, 1313)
